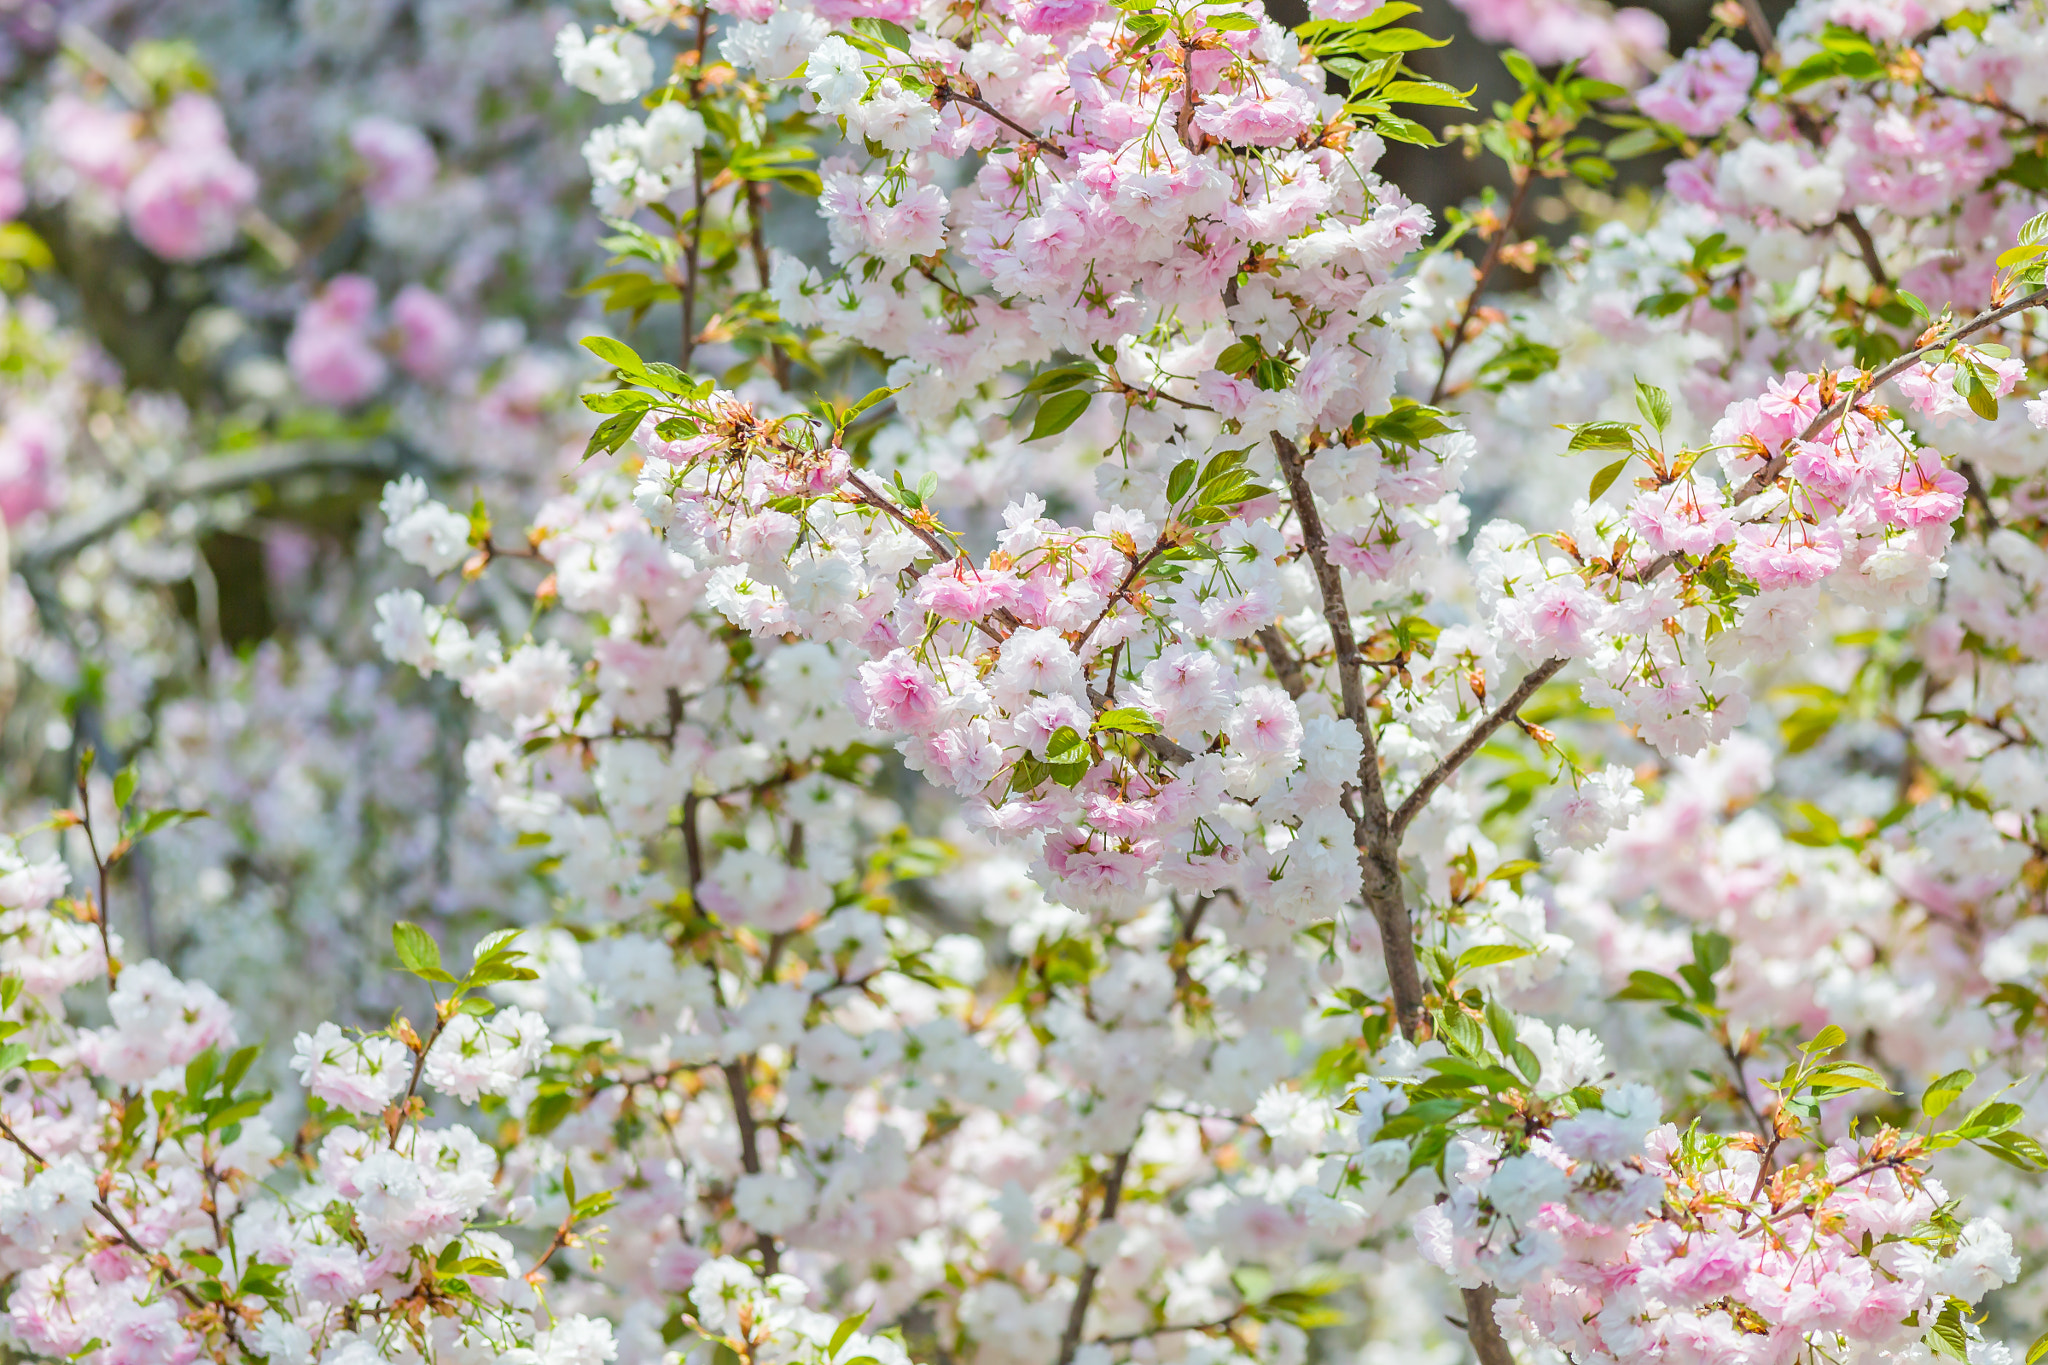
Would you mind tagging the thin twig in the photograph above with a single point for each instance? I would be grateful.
(1865, 244)
(1084, 1288)
(737, 1081)
(394, 1117)
(690, 263)
(1760, 29)
(155, 1259)
(1455, 342)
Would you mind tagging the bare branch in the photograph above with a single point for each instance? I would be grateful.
(1084, 1289)
(211, 477)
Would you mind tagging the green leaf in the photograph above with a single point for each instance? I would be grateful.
(612, 433)
(1060, 377)
(872, 397)
(1490, 955)
(1946, 1336)
(1180, 481)
(1063, 745)
(1238, 357)
(1849, 1076)
(124, 785)
(1234, 22)
(1601, 436)
(164, 819)
(1059, 412)
(883, 31)
(1405, 130)
(1945, 1092)
(417, 951)
(1654, 404)
(617, 354)
(1425, 92)
(618, 400)
(1634, 143)
(1129, 720)
(1827, 1040)
(1646, 985)
(199, 1073)
(1458, 1031)
(2016, 1149)
(1989, 1119)
(1522, 69)
(2038, 1349)
(1604, 480)
(844, 1332)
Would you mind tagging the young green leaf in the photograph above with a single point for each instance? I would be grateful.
(617, 354)
(417, 951)
(1604, 480)
(1654, 404)
(1945, 1092)
(1129, 720)
(1490, 955)
(1059, 412)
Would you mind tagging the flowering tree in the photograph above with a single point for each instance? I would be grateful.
(1063, 842)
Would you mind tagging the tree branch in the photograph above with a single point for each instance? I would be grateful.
(210, 477)
(1285, 665)
(1865, 244)
(1456, 340)
(1084, 1288)
(1481, 1329)
(1380, 886)
(1474, 740)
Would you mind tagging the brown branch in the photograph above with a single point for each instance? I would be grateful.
(737, 1082)
(101, 911)
(207, 476)
(1380, 885)
(394, 1117)
(873, 499)
(1865, 244)
(1285, 664)
(1130, 580)
(1455, 342)
(950, 91)
(1474, 740)
(155, 1259)
(757, 240)
(1480, 1328)
(1760, 29)
(1084, 1288)
(690, 261)
(1218, 1325)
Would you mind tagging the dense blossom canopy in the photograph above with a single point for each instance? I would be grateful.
(843, 682)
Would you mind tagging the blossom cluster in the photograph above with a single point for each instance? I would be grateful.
(1054, 769)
